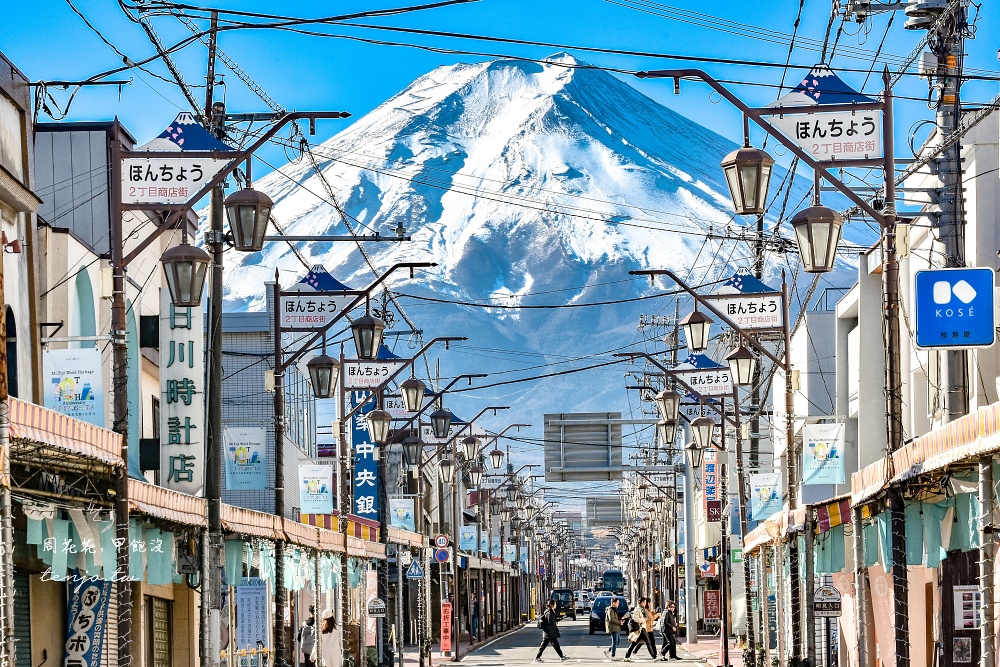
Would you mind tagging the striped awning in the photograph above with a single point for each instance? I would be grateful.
(166, 504)
(967, 439)
(34, 425)
(249, 522)
(404, 537)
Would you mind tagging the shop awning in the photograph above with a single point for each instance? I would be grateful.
(48, 436)
(166, 504)
(963, 440)
(404, 537)
(248, 522)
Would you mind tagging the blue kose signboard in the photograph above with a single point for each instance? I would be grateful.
(955, 308)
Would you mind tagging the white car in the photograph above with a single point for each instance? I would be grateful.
(582, 601)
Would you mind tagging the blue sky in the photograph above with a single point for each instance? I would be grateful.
(303, 72)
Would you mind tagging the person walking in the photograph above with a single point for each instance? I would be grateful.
(332, 639)
(652, 619)
(550, 631)
(307, 639)
(669, 628)
(613, 624)
(638, 634)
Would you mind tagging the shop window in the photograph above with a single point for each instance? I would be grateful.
(157, 632)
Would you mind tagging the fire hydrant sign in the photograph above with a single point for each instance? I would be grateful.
(954, 308)
(182, 397)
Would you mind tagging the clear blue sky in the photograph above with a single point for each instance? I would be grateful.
(48, 41)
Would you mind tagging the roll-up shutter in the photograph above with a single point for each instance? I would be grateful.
(22, 620)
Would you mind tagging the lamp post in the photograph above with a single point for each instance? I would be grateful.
(814, 232)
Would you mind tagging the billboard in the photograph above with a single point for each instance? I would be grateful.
(583, 446)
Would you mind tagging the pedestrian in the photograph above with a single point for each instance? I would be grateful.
(669, 628)
(475, 618)
(637, 630)
(550, 631)
(307, 638)
(613, 624)
(332, 639)
(652, 619)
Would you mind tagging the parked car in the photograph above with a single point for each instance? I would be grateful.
(600, 606)
(582, 601)
(565, 605)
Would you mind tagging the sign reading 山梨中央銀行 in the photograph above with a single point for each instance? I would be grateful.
(954, 308)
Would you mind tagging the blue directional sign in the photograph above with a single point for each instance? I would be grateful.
(955, 308)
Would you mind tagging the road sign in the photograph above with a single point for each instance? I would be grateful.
(368, 374)
(705, 376)
(376, 608)
(441, 541)
(166, 179)
(415, 571)
(826, 602)
(442, 555)
(834, 135)
(752, 311)
(308, 310)
(954, 308)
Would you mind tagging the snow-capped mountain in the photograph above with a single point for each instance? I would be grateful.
(528, 185)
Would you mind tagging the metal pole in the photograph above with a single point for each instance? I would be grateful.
(690, 582)
(791, 473)
(741, 487)
(724, 565)
(456, 517)
(810, 593)
(386, 657)
(211, 602)
(399, 600)
(279, 484)
(120, 375)
(346, 498)
(949, 47)
(986, 504)
(860, 586)
(893, 384)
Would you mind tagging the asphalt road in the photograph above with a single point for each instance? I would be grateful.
(579, 646)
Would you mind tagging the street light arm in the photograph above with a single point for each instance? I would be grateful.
(673, 374)
(715, 311)
(237, 157)
(365, 294)
(408, 364)
(438, 394)
(755, 115)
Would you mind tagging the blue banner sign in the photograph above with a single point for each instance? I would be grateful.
(954, 308)
(366, 481)
(87, 619)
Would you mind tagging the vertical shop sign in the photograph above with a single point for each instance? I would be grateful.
(87, 619)
(251, 613)
(712, 600)
(445, 626)
(366, 481)
(182, 397)
(710, 476)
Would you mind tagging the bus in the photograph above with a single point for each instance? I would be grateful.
(614, 581)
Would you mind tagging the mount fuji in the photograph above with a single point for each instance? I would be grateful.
(531, 186)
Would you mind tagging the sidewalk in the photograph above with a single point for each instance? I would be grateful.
(411, 658)
(709, 649)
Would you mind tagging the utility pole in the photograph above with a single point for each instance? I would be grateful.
(211, 606)
(948, 44)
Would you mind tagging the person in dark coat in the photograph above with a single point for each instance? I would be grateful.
(550, 631)
(669, 628)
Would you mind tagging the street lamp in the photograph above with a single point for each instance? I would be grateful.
(695, 451)
(522, 502)
(412, 391)
(412, 447)
(511, 493)
(505, 514)
(379, 422)
(667, 432)
(475, 476)
(817, 230)
(323, 370)
(742, 365)
(668, 402)
(658, 503)
(367, 332)
(643, 490)
(248, 211)
(697, 326)
(748, 174)
(185, 266)
(496, 458)
(469, 447)
(703, 429)
(441, 422)
(446, 468)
